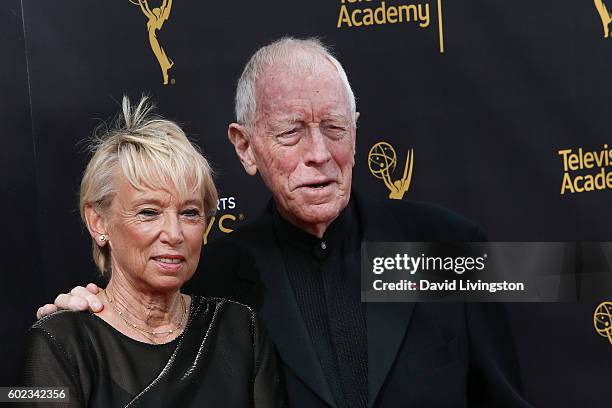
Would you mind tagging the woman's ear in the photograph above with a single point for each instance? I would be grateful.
(96, 224)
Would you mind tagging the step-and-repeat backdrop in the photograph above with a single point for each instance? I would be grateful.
(499, 110)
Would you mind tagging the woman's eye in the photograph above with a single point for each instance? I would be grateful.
(193, 213)
(148, 212)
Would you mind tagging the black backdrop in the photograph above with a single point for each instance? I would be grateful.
(517, 82)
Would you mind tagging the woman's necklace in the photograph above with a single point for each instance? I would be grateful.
(140, 329)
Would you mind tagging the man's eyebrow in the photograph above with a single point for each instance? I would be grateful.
(335, 116)
(284, 122)
(290, 118)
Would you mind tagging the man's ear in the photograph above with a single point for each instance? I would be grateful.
(237, 134)
(96, 225)
(355, 141)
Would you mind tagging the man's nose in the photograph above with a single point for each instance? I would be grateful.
(172, 231)
(317, 151)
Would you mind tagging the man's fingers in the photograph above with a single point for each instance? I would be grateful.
(71, 302)
(94, 303)
(45, 310)
(86, 295)
(79, 291)
(93, 288)
(79, 298)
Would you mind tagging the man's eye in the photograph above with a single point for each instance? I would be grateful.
(336, 128)
(335, 132)
(289, 137)
(289, 133)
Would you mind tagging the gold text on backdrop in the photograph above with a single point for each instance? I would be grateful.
(585, 170)
(365, 13)
(225, 220)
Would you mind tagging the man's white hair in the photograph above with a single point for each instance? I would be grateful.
(298, 53)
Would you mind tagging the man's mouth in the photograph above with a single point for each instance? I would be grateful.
(318, 185)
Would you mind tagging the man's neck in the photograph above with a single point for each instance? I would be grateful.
(315, 229)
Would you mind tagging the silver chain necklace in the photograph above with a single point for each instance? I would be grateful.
(140, 329)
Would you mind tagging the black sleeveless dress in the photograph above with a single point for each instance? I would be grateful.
(222, 359)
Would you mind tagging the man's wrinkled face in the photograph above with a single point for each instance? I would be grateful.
(304, 142)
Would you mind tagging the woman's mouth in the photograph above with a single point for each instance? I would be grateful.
(168, 260)
(170, 263)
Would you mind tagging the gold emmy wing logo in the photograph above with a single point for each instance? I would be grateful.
(605, 16)
(155, 20)
(602, 320)
(382, 161)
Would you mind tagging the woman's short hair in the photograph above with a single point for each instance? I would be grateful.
(150, 152)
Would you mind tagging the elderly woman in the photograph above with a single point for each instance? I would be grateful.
(144, 199)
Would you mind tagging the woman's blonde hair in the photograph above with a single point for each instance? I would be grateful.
(150, 152)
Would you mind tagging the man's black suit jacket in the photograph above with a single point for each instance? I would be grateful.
(419, 354)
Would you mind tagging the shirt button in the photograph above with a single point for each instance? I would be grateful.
(323, 245)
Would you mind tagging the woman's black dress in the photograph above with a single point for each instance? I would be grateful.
(222, 359)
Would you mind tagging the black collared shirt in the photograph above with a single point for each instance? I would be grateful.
(325, 277)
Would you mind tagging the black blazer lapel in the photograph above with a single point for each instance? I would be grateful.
(386, 323)
(386, 330)
(280, 313)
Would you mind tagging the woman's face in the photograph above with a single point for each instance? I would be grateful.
(155, 237)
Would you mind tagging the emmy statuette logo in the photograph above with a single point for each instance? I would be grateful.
(602, 320)
(155, 20)
(382, 161)
(605, 16)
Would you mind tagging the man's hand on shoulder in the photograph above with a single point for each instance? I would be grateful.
(79, 298)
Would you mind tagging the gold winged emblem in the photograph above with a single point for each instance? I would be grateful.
(604, 14)
(382, 161)
(155, 20)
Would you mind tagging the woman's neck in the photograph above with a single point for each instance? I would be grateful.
(151, 308)
(152, 316)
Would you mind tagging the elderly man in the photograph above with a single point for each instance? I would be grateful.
(299, 262)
